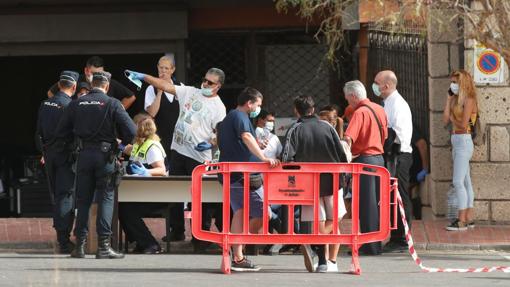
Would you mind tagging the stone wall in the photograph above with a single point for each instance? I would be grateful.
(490, 165)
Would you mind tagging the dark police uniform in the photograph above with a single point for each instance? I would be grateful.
(95, 120)
(57, 162)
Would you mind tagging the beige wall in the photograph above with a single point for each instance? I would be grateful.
(490, 165)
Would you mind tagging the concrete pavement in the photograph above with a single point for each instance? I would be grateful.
(18, 269)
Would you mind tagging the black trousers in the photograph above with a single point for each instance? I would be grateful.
(401, 165)
(131, 219)
(180, 165)
(183, 165)
(95, 176)
(61, 177)
(369, 203)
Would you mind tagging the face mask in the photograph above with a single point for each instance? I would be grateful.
(255, 113)
(455, 88)
(206, 91)
(376, 90)
(269, 126)
(137, 82)
(89, 78)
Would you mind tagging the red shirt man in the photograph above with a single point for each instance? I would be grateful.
(366, 139)
(364, 132)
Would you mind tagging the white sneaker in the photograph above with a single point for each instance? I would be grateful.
(332, 267)
(322, 268)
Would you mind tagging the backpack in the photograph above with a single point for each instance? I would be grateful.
(478, 130)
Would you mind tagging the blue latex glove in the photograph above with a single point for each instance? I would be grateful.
(421, 175)
(141, 170)
(203, 146)
(135, 77)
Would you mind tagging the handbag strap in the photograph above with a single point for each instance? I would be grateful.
(378, 122)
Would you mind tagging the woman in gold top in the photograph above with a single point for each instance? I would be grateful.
(460, 110)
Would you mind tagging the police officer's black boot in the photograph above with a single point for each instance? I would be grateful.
(65, 246)
(79, 249)
(104, 250)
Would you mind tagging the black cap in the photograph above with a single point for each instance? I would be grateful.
(101, 76)
(70, 76)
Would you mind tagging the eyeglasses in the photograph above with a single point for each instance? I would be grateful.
(210, 83)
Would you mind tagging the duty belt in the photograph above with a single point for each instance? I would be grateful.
(90, 144)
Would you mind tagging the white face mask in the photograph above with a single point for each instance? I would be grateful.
(269, 126)
(454, 87)
(89, 78)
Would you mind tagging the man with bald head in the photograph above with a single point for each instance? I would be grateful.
(398, 150)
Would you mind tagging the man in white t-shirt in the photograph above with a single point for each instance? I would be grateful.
(268, 142)
(200, 111)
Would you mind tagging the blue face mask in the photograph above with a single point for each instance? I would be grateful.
(206, 92)
(255, 113)
(376, 90)
(135, 81)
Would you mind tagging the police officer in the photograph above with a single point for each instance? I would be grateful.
(56, 158)
(97, 120)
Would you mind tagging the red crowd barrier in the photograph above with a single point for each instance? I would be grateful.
(292, 185)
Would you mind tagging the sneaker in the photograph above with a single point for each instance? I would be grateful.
(394, 247)
(309, 256)
(471, 224)
(332, 267)
(244, 265)
(457, 225)
(322, 268)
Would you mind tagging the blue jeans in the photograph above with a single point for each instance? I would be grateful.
(462, 151)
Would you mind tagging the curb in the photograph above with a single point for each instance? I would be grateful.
(464, 247)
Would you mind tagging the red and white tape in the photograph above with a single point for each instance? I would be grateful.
(418, 261)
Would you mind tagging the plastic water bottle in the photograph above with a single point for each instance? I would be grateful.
(452, 211)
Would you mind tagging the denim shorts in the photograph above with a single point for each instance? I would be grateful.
(256, 199)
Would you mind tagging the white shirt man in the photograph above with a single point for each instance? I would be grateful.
(400, 120)
(197, 120)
